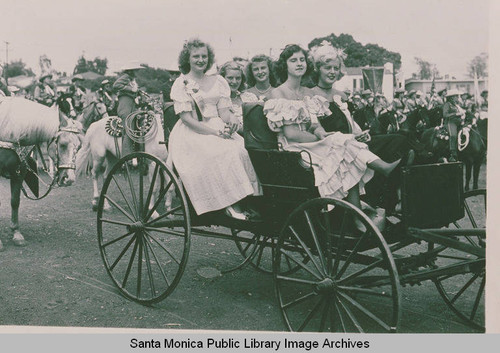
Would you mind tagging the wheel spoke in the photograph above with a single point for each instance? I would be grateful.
(351, 316)
(139, 267)
(160, 198)
(130, 263)
(340, 248)
(151, 186)
(164, 231)
(296, 280)
(365, 311)
(464, 288)
(140, 165)
(125, 198)
(112, 221)
(301, 265)
(333, 324)
(315, 238)
(158, 263)
(365, 291)
(469, 213)
(478, 299)
(132, 190)
(360, 272)
(354, 251)
(308, 252)
(166, 214)
(121, 209)
(298, 300)
(117, 239)
(150, 272)
(324, 315)
(123, 252)
(311, 314)
(162, 246)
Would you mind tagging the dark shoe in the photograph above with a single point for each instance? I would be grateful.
(452, 159)
(409, 159)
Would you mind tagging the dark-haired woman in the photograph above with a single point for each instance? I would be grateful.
(329, 66)
(211, 159)
(342, 165)
(260, 77)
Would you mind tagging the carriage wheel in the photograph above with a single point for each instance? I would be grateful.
(144, 246)
(259, 251)
(40, 174)
(464, 292)
(349, 284)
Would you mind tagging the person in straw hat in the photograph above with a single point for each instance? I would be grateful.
(127, 89)
(453, 116)
(45, 92)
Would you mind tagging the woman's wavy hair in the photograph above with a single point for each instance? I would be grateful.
(257, 59)
(319, 63)
(233, 65)
(281, 68)
(184, 65)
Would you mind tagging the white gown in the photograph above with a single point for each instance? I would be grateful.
(339, 161)
(216, 172)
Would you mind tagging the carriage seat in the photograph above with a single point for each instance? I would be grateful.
(169, 120)
(282, 174)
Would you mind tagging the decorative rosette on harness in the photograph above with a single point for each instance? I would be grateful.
(114, 127)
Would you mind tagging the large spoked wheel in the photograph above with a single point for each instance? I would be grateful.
(144, 244)
(41, 174)
(349, 284)
(463, 290)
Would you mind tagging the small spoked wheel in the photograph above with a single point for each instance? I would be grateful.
(463, 288)
(40, 178)
(350, 281)
(259, 251)
(143, 242)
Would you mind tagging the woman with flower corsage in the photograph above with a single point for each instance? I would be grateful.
(329, 68)
(233, 73)
(341, 164)
(210, 158)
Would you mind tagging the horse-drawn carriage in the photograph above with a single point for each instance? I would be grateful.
(328, 275)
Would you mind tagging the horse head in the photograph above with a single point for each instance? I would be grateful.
(65, 103)
(63, 150)
(93, 112)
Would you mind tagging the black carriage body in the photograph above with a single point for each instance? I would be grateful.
(432, 195)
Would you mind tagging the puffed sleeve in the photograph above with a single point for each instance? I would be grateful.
(317, 106)
(182, 101)
(249, 97)
(283, 111)
(224, 92)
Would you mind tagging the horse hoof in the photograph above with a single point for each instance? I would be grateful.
(19, 241)
(94, 207)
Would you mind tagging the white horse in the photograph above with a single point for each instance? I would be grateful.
(103, 148)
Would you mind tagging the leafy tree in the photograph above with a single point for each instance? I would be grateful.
(426, 70)
(18, 68)
(97, 65)
(358, 54)
(479, 65)
(154, 80)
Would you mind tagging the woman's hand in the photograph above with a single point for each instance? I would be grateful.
(363, 137)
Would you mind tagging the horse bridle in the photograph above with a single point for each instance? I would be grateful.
(72, 164)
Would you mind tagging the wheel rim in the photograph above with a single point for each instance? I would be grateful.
(349, 284)
(144, 256)
(464, 292)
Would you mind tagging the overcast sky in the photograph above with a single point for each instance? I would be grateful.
(448, 33)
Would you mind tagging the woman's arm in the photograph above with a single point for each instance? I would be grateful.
(196, 126)
(293, 133)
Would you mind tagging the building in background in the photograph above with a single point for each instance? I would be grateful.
(464, 85)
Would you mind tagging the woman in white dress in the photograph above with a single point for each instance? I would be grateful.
(341, 164)
(210, 158)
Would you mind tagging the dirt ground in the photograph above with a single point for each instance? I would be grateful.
(59, 279)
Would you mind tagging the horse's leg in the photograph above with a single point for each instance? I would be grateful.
(97, 164)
(477, 168)
(468, 170)
(15, 200)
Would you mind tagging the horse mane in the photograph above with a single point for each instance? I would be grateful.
(25, 122)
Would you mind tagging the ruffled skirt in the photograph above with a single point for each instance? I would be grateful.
(215, 172)
(339, 163)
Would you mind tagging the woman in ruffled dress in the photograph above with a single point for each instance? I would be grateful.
(342, 165)
(260, 77)
(233, 73)
(210, 158)
(329, 68)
